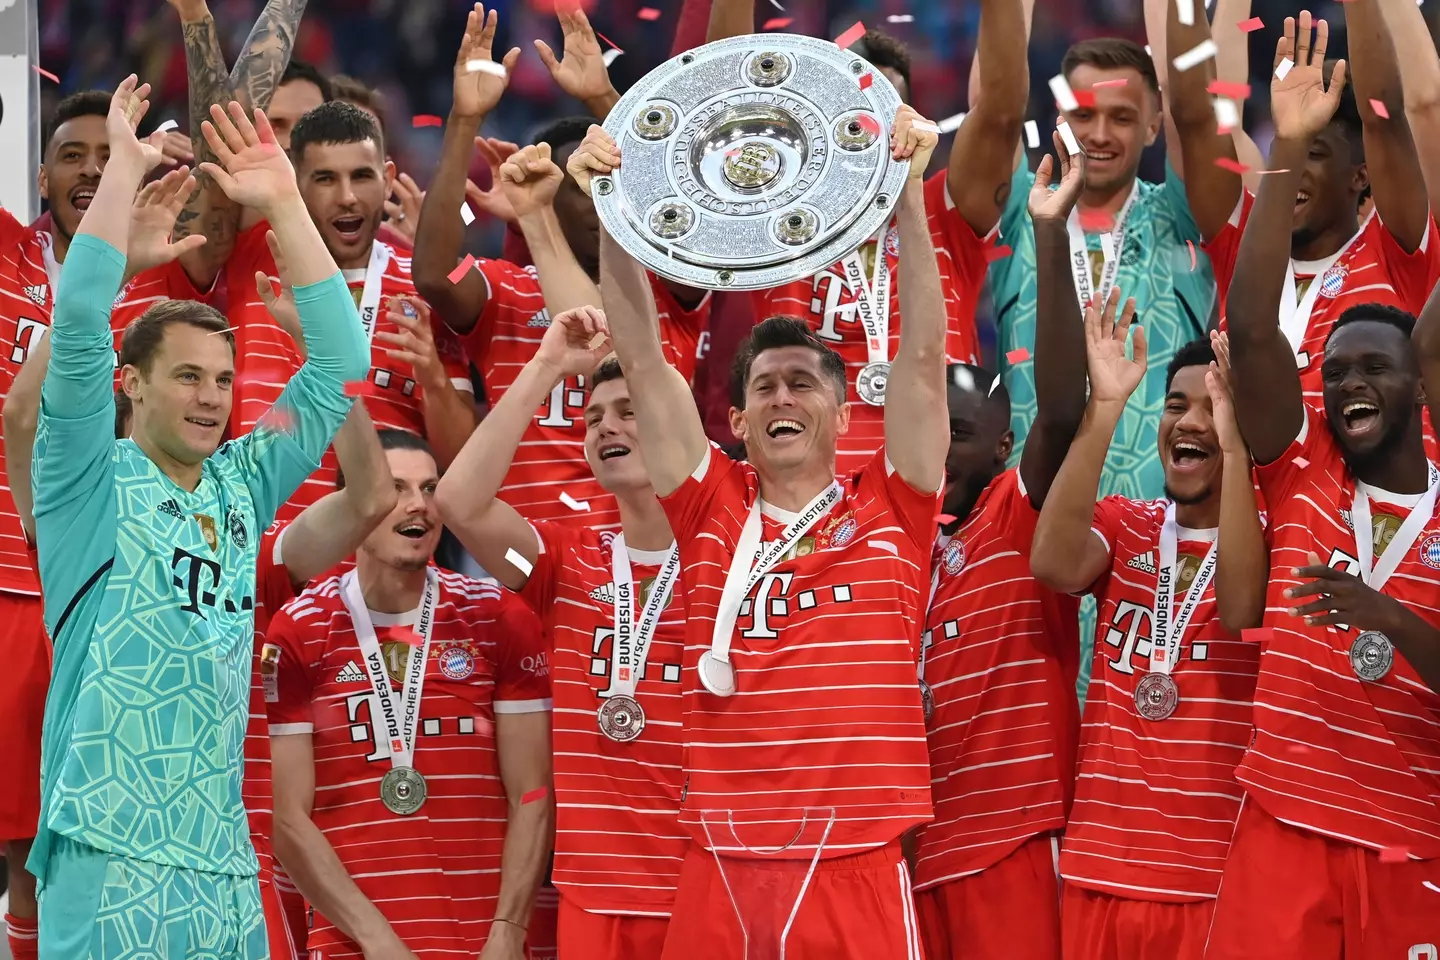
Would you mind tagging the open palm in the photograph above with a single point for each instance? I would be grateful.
(479, 81)
(582, 72)
(152, 220)
(1047, 204)
(1299, 102)
(253, 170)
(1113, 375)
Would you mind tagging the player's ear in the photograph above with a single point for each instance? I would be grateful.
(389, 175)
(1004, 447)
(42, 183)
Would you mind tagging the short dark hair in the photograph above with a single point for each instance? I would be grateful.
(85, 103)
(142, 338)
(566, 130)
(1374, 313)
(393, 439)
(1347, 117)
(123, 412)
(772, 333)
(352, 91)
(884, 51)
(1112, 53)
(298, 69)
(1196, 353)
(609, 369)
(982, 381)
(334, 122)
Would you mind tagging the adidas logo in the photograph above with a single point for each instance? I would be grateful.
(605, 593)
(1145, 562)
(170, 508)
(350, 673)
(541, 319)
(38, 293)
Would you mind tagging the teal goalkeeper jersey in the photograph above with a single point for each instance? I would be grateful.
(149, 588)
(1173, 300)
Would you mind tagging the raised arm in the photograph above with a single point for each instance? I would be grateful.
(21, 416)
(917, 420)
(467, 496)
(1242, 566)
(1059, 326)
(530, 179)
(1420, 72)
(439, 234)
(582, 72)
(1212, 191)
(522, 744)
(1266, 382)
(1065, 520)
(730, 18)
(982, 158)
(1232, 65)
(1397, 180)
(448, 412)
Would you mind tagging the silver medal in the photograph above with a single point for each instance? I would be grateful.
(1371, 655)
(621, 718)
(927, 701)
(870, 382)
(1156, 696)
(403, 790)
(716, 675)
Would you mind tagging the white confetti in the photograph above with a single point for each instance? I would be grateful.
(1107, 247)
(1196, 55)
(951, 124)
(1068, 136)
(1285, 67)
(609, 56)
(167, 126)
(1032, 134)
(466, 214)
(579, 506)
(900, 18)
(485, 66)
(925, 125)
(512, 557)
(963, 378)
(1186, 11)
(994, 385)
(1064, 96)
(1227, 115)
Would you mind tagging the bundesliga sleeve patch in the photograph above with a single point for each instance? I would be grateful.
(270, 672)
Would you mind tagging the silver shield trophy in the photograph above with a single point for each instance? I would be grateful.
(751, 162)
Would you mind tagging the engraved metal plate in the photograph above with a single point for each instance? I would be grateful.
(1372, 655)
(1156, 696)
(927, 701)
(403, 790)
(751, 162)
(870, 382)
(621, 718)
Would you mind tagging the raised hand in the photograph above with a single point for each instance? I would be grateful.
(1222, 401)
(597, 155)
(281, 302)
(176, 148)
(575, 342)
(253, 169)
(152, 218)
(913, 138)
(1047, 204)
(582, 73)
(1300, 104)
(1113, 375)
(530, 179)
(128, 106)
(403, 207)
(492, 201)
(480, 82)
(415, 342)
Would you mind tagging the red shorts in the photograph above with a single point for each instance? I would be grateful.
(1287, 892)
(282, 947)
(541, 937)
(608, 936)
(977, 917)
(853, 908)
(25, 652)
(1102, 926)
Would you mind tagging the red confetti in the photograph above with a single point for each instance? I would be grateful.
(1251, 25)
(1192, 255)
(648, 13)
(539, 793)
(946, 519)
(1084, 98)
(46, 74)
(1018, 355)
(1225, 163)
(1224, 88)
(850, 36)
(1260, 635)
(355, 389)
(465, 267)
(866, 80)
(279, 420)
(1300, 462)
(997, 253)
(426, 120)
(1394, 855)
(1381, 111)
(776, 23)
(1101, 84)
(1097, 221)
(608, 40)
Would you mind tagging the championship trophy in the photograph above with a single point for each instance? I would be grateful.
(751, 162)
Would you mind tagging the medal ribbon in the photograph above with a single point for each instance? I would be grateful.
(396, 722)
(632, 640)
(370, 294)
(1373, 574)
(926, 637)
(1080, 252)
(743, 576)
(872, 303)
(1294, 310)
(1165, 634)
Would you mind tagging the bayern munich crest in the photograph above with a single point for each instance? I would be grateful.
(1430, 551)
(844, 533)
(892, 241)
(456, 663)
(1334, 280)
(954, 557)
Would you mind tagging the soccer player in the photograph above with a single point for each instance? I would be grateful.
(850, 304)
(302, 88)
(1336, 850)
(999, 653)
(411, 743)
(828, 618)
(501, 309)
(1337, 260)
(147, 551)
(612, 607)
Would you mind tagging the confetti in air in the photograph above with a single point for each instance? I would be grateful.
(1105, 84)
(465, 267)
(1234, 166)
(994, 385)
(1196, 55)
(1084, 98)
(46, 74)
(1251, 25)
(1107, 247)
(608, 57)
(963, 378)
(1224, 88)
(648, 13)
(1185, 11)
(951, 124)
(1300, 462)
(850, 36)
(776, 23)
(1381, 111)
(945, 519)
(900, 18)
(866, 80)
(1193, 260)
(925, 125)
(1394, 855)
(1285, 67)
(1017, 356)
(218, 333)
(167, 126)
(426, 120)
(539, 793)
(1227, 116)
(1032, 134)
(485, 66)
(579, 506)
(1064, 96)
(512, 557)
(993, 254)
(466, 214)
(1068, 137)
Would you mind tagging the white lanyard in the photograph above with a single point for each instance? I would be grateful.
(52, 266)
(1080, 252)
(927, 638)
(1295, 310)
(370, 294)
(1166, 635)
(872, 302)
(1373, 574)
(743, 576)
(396, 722)
(632, 640)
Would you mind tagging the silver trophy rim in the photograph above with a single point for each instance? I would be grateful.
(885, 100)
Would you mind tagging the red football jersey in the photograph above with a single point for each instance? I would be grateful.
(435, 874)
(1001, 656)
(618, 841)
(827, 713)
(166, 282)
(267, 357)
(1156, 800)
(1352, 759)
(551, 456)
(828, 301)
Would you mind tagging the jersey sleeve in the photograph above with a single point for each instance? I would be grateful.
(956, 240)
(917, 511)
(1008, 276)
(1016, 514)
(1413, 275)
(289, 710)
(452, 355)
(12, 231)
(1280, 478)
(522, 675)
(1226, 244)
(716, 481)
(502, 279)
(1174, 210)
(1106, 523)
(273, 585)
(292, 437)
(680, 329)
(251, 253)
(553, 540)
